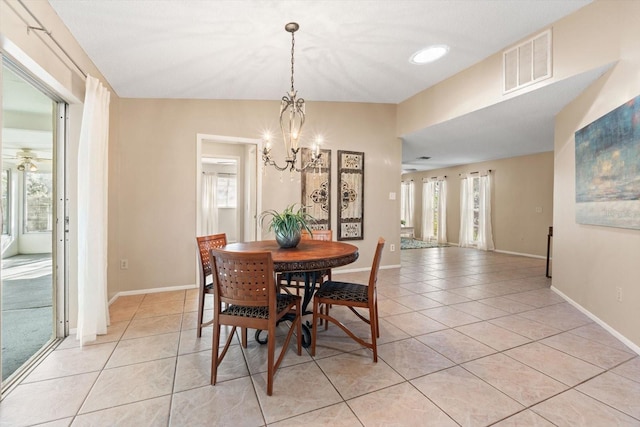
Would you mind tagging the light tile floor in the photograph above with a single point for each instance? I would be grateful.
(468, 338)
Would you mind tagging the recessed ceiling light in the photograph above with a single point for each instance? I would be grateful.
(429, 54)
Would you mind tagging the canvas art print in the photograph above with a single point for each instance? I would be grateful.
(608, 169)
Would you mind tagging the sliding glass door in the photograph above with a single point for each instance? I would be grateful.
(33, 261)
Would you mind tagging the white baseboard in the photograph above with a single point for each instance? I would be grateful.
(599, 321)
(509, 252)
(520, 254)
(151, 291)
(358, 270)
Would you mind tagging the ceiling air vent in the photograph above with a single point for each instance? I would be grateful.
(528, 62)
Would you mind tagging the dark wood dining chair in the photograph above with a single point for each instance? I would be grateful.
(352, 296)
(205, 244)
(318, 235)
(244, 281)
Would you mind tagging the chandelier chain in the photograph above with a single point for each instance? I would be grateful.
(293, 43)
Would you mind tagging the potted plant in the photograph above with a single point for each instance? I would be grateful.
(288, 224)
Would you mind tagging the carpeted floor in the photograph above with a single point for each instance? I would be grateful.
(409, 243)
(27, 316)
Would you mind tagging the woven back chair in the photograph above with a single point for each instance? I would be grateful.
(205, 244)
(289, 281)
(317, 235)
(320, 235)
(244, 281)
(352, 296)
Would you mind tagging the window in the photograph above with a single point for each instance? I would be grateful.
(6, 201)
(38, 197)
(227, 190)
(406, 203)
(434, 209)
(476, 210)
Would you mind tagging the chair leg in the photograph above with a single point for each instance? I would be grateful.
(243, 337)
(377, 322)
(314, 329)
(271, 349)
(201, 297)
(326, 313)
(214, 352)
(299, 327)
(373, 321)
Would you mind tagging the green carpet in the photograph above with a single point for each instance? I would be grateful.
(408, 243)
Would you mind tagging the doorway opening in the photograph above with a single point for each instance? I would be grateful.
(33, 267)
(221, 191)
(228, 187)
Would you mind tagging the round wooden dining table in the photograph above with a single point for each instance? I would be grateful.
(310, 257)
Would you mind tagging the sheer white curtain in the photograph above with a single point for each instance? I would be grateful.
(485, 233)
(209, 203)
(406, 211)
(480, 200)
(466, 212)
(442, 212)
(93, 311)
(432, 208)
(428, 191)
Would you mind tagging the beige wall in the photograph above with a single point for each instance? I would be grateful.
(157, 181)
(36, 52)
(480, 85)
(520, 185)
(152, 157)
(591, 261)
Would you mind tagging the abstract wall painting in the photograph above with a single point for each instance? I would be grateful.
(608, 169)
(350, 195)
(316, 189)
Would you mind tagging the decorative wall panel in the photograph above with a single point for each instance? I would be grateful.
(316, 189)
(350, 195)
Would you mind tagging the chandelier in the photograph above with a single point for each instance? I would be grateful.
(292, 118)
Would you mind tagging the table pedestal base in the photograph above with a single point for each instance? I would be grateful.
(306, 333)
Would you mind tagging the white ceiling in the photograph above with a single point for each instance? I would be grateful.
(346, 51)
(30, 113)
(522, 125)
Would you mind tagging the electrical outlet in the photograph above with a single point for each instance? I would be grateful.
(392, 247)
(619, 294)
(124, 264)
(539, 209)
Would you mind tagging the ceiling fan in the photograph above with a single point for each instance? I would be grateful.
(26, 160)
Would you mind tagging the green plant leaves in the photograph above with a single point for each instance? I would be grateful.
(289, 220)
